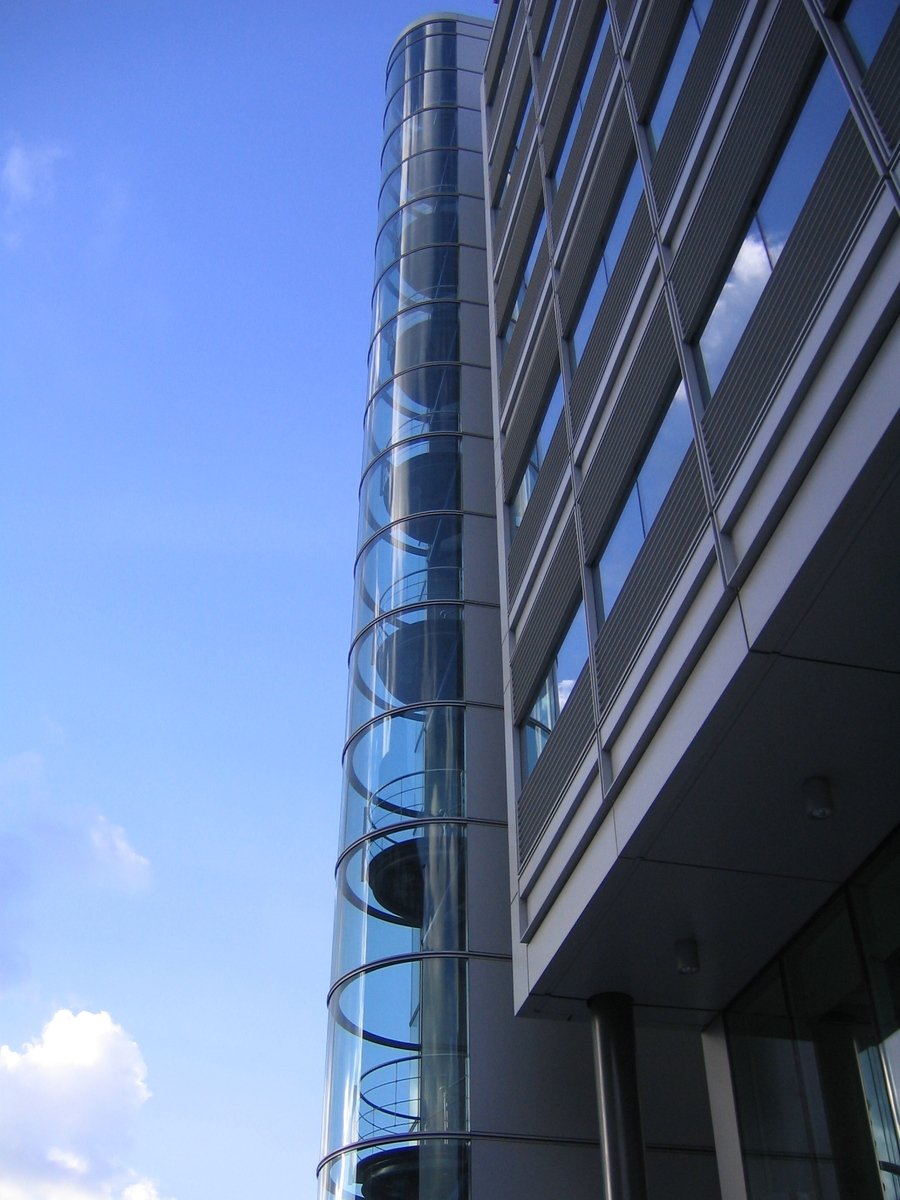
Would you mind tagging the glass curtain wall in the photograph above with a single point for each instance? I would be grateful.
(396, 1110)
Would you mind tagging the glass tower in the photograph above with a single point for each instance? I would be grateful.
(425, 677)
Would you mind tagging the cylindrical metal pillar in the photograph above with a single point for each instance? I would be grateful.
(615, 1067)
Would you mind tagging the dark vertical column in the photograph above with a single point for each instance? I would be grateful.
(615, 1067)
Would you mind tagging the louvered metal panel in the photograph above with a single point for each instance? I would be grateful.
(636, 249)
(657, 567)
(534, 522)
(779, 77)
(825, 227)
(537, 640)
(571, 739)
(661, 26)
(536, 305)
(882, 84)
(524, 216)
(596, 211)
(693, 98)
(646, 390)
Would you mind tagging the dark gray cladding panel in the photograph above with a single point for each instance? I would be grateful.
(774, 89)
(552, 46)
(648, 387)
(801, 277)
(597, 209)
(529, 402)
(534, 522)
(882, 84)
(656, 569)
(635, 252)
(547, 621)
(522, 212)
(572, 737)
(545, 348)
(694, 97)
(498, 62)
(565, 92)
(508, 122)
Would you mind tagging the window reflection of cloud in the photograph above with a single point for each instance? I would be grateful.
(735, 305)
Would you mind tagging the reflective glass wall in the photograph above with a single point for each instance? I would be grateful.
(397, 1088)
(815, 1051)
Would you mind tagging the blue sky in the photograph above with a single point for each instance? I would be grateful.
(187, 205)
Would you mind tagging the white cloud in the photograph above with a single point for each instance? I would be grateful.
(28, 171)
(114, 852)
(68, 1104)
(27, 178)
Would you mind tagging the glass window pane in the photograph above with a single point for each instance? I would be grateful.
(734, 307)
(605, 267)
(417, 477)
(410, 563)
(567, 664)
(405, 766)
(575, 116)
(801, 160)
(413, 656)
(417, 402)
(539, 449)
(664, 457)
(678, 68)
(867, 21)
(620, 552)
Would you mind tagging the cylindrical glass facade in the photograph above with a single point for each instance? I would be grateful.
(397, 1089)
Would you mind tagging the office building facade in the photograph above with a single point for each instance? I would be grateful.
(687, 328)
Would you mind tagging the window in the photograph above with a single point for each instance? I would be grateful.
(612, 249)
(866, 22)
(544, 36)
(791, 183)
(575, 116)
(517, 141)
(570, 657)
(695, 19)
(644, 500)
(536, 456)
(527, 271)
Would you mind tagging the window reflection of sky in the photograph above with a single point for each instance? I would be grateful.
(555, 690)
(788, 189)
(651, 486)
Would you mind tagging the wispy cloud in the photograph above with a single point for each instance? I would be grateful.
(68, 1106)
(113, 851)
(74, 846)
(27, 178)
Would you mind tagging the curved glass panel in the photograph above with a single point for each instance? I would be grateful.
(411, 657)
(417, 477)
(428, 90)
(397, 1051)
(433, 171)
(410, 563)
(436, 1169)
(400, 893)
(432, 129)
(420, 223)
(419, 402)
(429, 274)
(422, 49)
(405, 766)
(429, 333)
